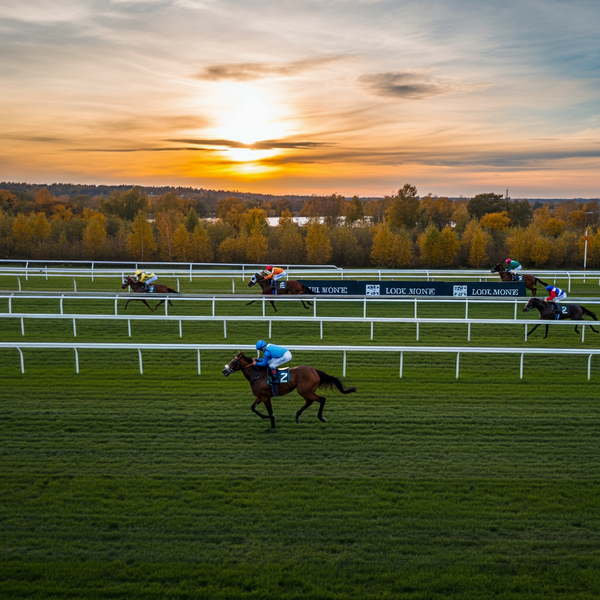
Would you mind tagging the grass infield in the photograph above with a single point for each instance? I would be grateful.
(116, 485)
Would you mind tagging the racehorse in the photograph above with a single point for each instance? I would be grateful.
(568, 311)
(304, 379)
(138, 288)
(530, 280)
(291, 287)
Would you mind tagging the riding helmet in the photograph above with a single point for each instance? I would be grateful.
(269, 267)
(260, 344)
(508, 260)
(138, 272)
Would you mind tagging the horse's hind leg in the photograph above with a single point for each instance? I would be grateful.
(256, 412)
(249, 303)
(547, 326)
(269, 407)
(273, 305)
(151, 309)
(306, 405)
(321, 407)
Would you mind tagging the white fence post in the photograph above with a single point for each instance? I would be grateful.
(344, 371)
(141, 367)
(199, 364)
(457, 363)
(401, 361)
(76, 361)
(74, 329)
(521, 371)
(22, 361)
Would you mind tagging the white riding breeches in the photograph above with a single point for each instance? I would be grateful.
(516, 269)
(276, 362)
(276, 277)
(151, 280)
(560, 297)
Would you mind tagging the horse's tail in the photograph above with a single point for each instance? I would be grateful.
(170, 291)
(330, 381)
(542, 282)
(589, 313)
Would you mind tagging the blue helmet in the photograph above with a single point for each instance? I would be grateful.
(549, 288)
(260, 344)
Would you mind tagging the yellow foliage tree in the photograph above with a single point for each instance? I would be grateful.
(430, 244)
(141, 244)
(257, 245)
(539, 247)
(402, 253)
(200, 245)
(518, 244)
(477, 254)
(182, 247)
(94, 237)
(450, 245)
(22, 233)
(318, 246)
(382, 249)
(500, 221)
(40, 228)
(555, 227)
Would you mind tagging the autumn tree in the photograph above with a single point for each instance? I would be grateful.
(318, 246)
(201, 247)
(182, 247)
(405, 208)
(499, 221)
(126, 205)
(288, 245)
(141, 244)
(482, 204)
(22, 233)
(40, 228)
(437, 211)
(477, 252)
(517, 243)
(382, 249)
(354, 211)
(554, 227)
(450, 245)
(402, 252)
(94, 236)
(167, 223)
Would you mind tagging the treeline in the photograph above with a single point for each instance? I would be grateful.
(399, 231)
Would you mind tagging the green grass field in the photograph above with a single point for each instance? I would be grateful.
(116, 485)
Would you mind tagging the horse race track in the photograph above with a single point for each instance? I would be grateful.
(116, 485)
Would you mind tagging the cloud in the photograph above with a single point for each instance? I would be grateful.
(137, 149)
(402, 84)
(263, 145)
(261, 70)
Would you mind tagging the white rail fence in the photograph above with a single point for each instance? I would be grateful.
(264, 300)
(343, 349)
(193, 271)
(241, 319)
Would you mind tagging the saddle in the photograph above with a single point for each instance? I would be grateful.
(149, 289)
(282, 376)
(517, 277)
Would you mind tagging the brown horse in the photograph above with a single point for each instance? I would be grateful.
(292, 287)
(530, 280)
(568, 311)
(138, 288)
(304, 379)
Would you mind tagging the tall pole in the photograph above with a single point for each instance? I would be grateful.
(585, 254)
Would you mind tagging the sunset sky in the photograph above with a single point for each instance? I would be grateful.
(354, 97)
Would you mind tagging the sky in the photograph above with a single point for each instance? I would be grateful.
(354, 97)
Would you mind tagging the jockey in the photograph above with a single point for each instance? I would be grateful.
(274, 273)
(512, 267)
(556, 295)
(273, 356)
(145, 278)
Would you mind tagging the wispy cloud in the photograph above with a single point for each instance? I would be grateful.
(262, 70)
(262, 145)
(404, 85)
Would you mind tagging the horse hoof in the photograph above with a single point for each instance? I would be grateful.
(298, 420)
(322, 419)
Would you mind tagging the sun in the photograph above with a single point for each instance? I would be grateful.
(248, 114)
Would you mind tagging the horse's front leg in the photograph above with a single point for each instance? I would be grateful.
(273, 305)
(256, 412)
(249, 303)
(547, 326)
(576, 330)
(128, 301)
(269, 407)
(151, 309)
(161, 302)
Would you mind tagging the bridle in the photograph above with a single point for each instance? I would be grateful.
(238, 361)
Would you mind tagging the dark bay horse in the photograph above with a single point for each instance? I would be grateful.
(568, 311)
(530, 280)
(304, 379)
(292, 287)
(138, 288)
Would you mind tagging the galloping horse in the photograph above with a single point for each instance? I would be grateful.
(304, 379)
(138, 288)
(292, 287)
(568, 311)
(530, 280)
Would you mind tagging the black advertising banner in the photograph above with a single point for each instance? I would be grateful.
(511, 289)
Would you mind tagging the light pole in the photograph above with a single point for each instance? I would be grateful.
(585, 248)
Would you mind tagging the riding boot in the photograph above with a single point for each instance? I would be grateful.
(274, 374)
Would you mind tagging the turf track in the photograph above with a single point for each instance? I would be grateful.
(166, 486)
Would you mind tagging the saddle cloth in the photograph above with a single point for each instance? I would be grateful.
(283, 375)
(150, 289)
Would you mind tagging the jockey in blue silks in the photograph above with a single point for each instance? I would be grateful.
(273, 356)
(556, 295)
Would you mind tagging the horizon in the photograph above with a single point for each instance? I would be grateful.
(353, 97)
